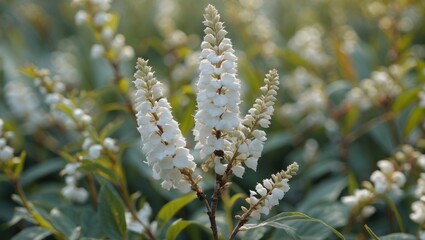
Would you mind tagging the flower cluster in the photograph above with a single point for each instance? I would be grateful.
(218, 91)
(387, 179)
(310, 100)
(269, 193)
(163, 142)
(97, 14)
(139, 225)
(71, 191)
(6, 151)
(250, 145)
(54, 89)
(377, 90)
(74, 118)
(307, 42)
(175, 40)
(418, 207)
(390, 178)
(403, 17)
(252, 17)
(360, 202)
(24, 104)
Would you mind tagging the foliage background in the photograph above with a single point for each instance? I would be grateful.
(43, 32)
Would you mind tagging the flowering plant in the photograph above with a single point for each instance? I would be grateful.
(212, 144)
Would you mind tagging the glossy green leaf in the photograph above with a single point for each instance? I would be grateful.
(64, 108)
(398, 236)
(111, 128)
(96, 168)
(382, 136)
(350, 119)
(176, 227)
(235, 198)
(405, 99)
(326, 191)
(35, 172)
(171, 208)
(333, 213)
(277, 140)
(4, 177)
(415, 117)
(61, 222)
(111, 213)
(32, 233)
(394, 209)
(29, 71)
(187, 122)
(278, 220)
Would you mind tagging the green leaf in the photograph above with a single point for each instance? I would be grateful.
(187, 123)
(32, 233)
(111, 128)
(235, 198)
(4, 177)
(65, 108)
(371, 233)
(111, 213)
(393, 207)
(61, 222)
(171, 208)
(326, 191)
(175, 228)
(96, 168)
(113, 21)
(29, 70)
(19, 166)
(350, 119)
(398, 236)
(35, 172)
(415, 117)
(335, 214)
(277, 141)
(277, 222)
(382, 135)
(290, 231)
(405, 99)
(90, 224)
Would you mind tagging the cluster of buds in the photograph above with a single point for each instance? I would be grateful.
(360, 203)
(25, 105)
(307, 42)
(74, 118)
(110, 45)
(390, 179)
(71, 191)
(252, 17)
(387, 179)
(418, 207)
(54, 89)
(269, 193)
(309, 99)
(6, 151)
(374, 91)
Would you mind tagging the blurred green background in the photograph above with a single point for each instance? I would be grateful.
(329, 44)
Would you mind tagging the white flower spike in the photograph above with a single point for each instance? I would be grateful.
(162, 139)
